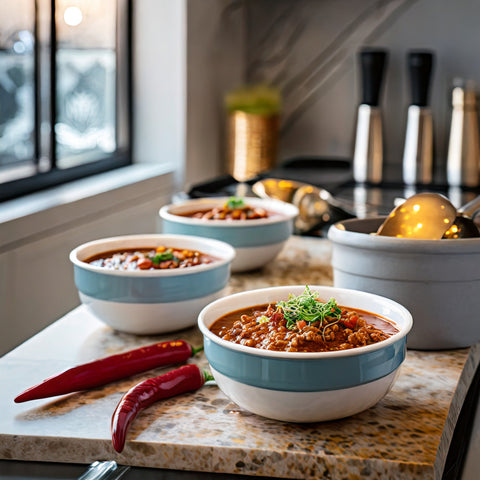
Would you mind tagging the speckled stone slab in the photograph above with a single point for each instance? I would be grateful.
(406, 435)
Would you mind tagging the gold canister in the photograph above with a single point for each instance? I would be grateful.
(252, 144)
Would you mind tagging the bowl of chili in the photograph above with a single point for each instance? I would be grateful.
(152, 283)
(256, 227)
(282, 352)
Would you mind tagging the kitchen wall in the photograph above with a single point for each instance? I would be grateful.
(308, 48)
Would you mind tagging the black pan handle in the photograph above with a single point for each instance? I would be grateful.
(373, 63)
(420, 66)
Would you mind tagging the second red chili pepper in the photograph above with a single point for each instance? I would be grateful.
(109, 369)
(184, 379)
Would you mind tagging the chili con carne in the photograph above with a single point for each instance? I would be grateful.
(111, 368)
(234, 209)
(303, 323)
(150, 258)
(181, 380)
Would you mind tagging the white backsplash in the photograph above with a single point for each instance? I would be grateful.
(309, 49)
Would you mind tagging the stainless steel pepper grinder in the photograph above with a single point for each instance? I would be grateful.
(463, 158)
(368, 154)
(418, 150)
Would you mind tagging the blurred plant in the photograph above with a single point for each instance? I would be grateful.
(257, 99)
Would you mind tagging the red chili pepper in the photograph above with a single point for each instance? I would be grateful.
(184, 379)
(109, 369)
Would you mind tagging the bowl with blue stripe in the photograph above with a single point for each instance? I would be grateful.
(306, 386)
(256, 241)
(153, 301)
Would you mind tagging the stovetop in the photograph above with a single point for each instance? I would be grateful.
(335, 175)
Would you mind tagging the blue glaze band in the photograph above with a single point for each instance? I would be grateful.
(130, 289)
(237, 236)
(309, 375)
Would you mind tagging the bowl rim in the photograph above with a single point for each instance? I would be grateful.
(306, 355)
(371, 241)
(225, 256)
(286, 212)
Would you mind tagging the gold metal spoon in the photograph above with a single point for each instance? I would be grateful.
(424, 216)
(464, 226)
(276, 188)
(317, 207)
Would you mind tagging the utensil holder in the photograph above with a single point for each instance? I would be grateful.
(252, 144)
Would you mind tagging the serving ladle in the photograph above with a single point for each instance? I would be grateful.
(431, 216)
(464, 225)
(317, 207)
(276, 188)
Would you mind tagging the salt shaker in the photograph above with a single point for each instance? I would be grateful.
(463, 158)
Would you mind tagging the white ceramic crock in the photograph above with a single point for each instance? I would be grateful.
(438, 281)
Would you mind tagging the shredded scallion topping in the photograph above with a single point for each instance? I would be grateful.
(307, 307)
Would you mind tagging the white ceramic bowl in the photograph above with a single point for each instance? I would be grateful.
(151, 301)
(437, 280)
(256, 242)
(305, 387)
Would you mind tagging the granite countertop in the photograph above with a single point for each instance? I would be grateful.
(406, 435)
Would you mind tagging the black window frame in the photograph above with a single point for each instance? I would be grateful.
(122, 157)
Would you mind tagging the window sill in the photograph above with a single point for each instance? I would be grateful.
(43, 213)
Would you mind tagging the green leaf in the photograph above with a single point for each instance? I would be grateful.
(161, 257)
(234, 203)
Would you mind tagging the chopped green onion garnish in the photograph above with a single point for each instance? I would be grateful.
(307, 307)
(263, 319)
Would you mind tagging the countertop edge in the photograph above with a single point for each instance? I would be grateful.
(254, 462)
(464, 383)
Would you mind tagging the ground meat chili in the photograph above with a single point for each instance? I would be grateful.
(150, 258)
(299, 325)
(233, 209)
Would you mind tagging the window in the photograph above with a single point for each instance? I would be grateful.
(65, 83)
